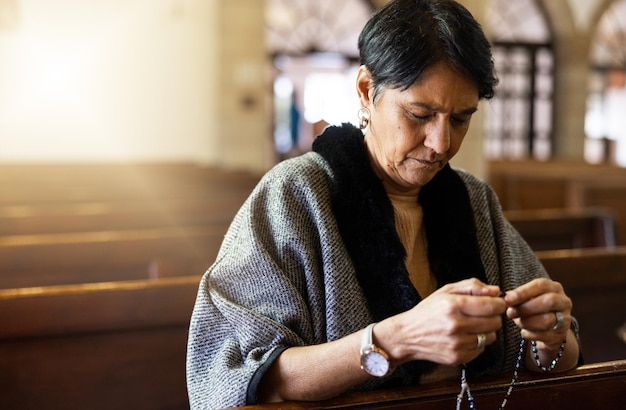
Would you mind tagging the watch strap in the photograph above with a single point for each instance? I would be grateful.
(367, 337)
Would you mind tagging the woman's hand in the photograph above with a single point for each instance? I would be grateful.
(534, 307)
(542, 311)
(446, 326)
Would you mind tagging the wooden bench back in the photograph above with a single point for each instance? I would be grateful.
(595, 280)
(549, 229)
(523, 185)
(64, 224)
(120, 215)
(96, 346)
(83, 257)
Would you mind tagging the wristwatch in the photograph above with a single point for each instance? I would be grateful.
(374, 360)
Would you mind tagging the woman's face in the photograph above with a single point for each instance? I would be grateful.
(412, 134)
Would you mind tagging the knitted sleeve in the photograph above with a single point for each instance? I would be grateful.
(269, 287)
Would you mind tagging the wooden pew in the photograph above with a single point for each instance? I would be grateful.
(531, 184)
(549, 229)
(522, 185)
(83, 257)
(114, 345)
(83, 223)
(603, 192)
(119, 215)
(595, 280)
(122, 345)
(132, 333)
(593, 386)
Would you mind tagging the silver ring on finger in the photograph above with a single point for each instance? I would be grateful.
(481, 341)
(559, 321)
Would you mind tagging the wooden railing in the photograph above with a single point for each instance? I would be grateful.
(594, 386)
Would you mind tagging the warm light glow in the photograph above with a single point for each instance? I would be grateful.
(331, 97)
(45, 81)
(105, 80)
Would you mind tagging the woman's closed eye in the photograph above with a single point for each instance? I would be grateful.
(421, 117)
(464, 120)
(455, 120)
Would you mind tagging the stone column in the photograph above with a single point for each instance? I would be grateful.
(243, 127)
(571, 46)
(570, 103)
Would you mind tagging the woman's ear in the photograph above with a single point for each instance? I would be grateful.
(364, 86)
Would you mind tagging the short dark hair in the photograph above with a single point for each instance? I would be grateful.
(405, 37)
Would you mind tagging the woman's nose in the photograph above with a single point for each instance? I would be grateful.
(438, 137)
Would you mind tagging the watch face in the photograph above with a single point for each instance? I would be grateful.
(375, 364)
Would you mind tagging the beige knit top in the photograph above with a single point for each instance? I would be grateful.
(409, 216)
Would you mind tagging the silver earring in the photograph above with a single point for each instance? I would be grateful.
(364, 117)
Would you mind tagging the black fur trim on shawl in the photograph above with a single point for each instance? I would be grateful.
(366, 221)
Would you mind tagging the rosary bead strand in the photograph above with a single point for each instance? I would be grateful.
(518, 363)
(465, 389)
(553, 363)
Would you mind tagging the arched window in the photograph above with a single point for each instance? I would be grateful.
(519, 120)
(313, 44)
(605, 122)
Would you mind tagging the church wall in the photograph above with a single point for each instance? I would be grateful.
(135, 80)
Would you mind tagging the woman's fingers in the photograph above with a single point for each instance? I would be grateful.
(471, 287)
(532, 290)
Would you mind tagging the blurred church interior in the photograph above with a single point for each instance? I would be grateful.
(131, 131)
(218, 82)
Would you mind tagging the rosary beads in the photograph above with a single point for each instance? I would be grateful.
(553, 363)
(465, 389)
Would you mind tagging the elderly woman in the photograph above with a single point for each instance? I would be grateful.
(375, 227)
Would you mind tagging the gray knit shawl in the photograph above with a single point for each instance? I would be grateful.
(312, 256)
